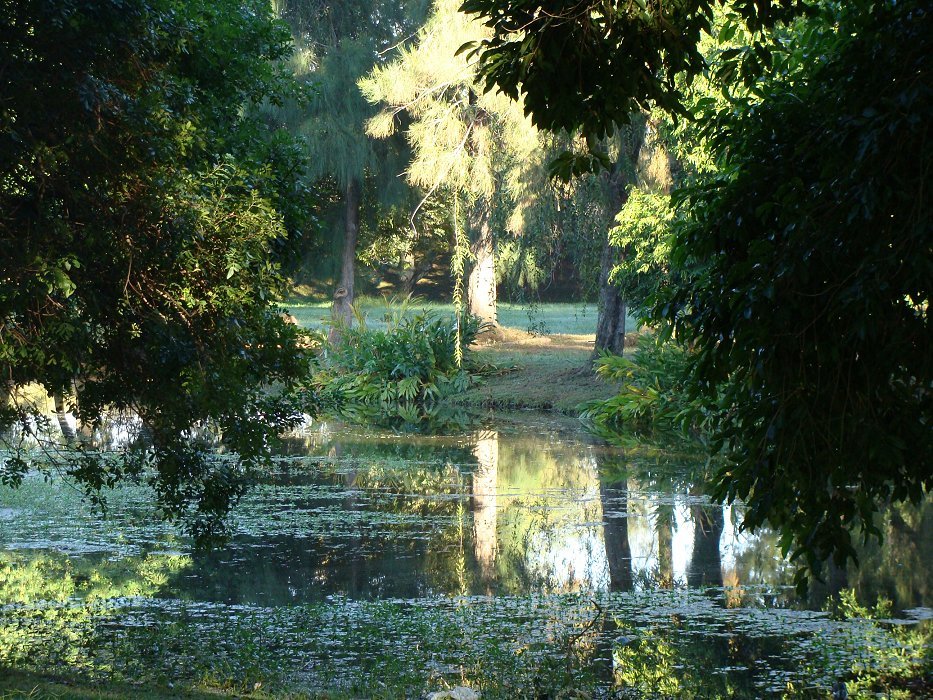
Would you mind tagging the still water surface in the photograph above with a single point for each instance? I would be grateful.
(524, 556)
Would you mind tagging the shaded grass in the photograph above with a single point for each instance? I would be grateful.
(546, 374)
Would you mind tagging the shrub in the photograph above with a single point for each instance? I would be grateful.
(653, 396)
(400, 372)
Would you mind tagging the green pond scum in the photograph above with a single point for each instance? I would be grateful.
(521, 559)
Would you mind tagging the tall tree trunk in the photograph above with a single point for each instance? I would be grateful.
(610, 322)
(342, 309)
(481, 284)
(652, 171)
(612, 309)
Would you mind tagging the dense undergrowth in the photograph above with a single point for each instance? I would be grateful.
(654, 397)
(400, 373)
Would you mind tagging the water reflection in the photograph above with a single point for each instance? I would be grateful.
(613, 496)
(484, 504)
(368, 514)
(471, 531)
(705, 567)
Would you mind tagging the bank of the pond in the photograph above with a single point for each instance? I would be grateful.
(538, 372)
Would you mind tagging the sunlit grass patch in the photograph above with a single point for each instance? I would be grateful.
(572, 318)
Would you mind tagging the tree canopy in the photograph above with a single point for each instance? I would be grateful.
(591, 65)
(801, 263)
(142, 204)
(461, 139)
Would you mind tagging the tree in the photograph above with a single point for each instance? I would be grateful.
(593, 65)
(341, 42)
(461, 139)
(142, 206)
(628, 143)
(804, 262)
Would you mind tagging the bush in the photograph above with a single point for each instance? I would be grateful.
(653, 395)
(401, 372)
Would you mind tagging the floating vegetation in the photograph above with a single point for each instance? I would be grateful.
(682, 643)
(508, 562)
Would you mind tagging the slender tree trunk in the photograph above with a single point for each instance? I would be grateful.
(342, 309)
(481, 284)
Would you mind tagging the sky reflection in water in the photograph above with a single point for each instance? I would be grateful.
(529, 508)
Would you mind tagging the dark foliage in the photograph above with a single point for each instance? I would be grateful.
(591, 65)
(806, 278)
(142, 200)
(801, 271)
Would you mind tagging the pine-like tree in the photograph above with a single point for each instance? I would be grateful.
(339, 42)
(462, 139)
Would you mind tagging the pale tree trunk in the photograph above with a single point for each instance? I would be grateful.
(84, 430)
(342, 309)
(485, 514)
(481, 284)
(61, 414)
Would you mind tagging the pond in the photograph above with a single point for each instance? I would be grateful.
(523, 558)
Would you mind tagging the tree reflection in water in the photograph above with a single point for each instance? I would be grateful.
(705, 568)
(535, 548)
(484, 505)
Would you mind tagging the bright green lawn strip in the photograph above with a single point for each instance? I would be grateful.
(570, 318)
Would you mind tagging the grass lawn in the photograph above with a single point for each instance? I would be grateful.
(546, 373)
(573, 318)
